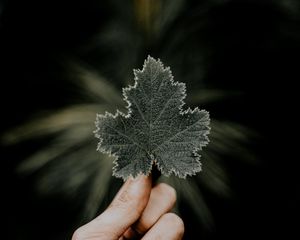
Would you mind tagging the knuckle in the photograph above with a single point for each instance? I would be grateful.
(127, 201)
(124, 198)
(175, 221)
(124, 201)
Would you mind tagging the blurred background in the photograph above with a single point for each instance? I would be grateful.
(64, 61)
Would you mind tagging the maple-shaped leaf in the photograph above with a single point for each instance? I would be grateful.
(156, 130)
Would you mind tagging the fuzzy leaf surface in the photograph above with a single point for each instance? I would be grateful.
(156, 130)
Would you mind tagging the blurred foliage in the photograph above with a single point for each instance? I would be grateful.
(70, 160)
(167, 29)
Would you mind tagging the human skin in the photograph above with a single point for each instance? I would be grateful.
(138, 211)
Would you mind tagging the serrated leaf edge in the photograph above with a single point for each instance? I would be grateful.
(128, 115)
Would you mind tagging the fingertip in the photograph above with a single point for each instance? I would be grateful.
(138, 187)
(169, 226)
(131, 199)
(168, 191)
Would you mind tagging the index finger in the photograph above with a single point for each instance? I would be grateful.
(124, 210)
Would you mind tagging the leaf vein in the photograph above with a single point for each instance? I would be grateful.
(174, 136)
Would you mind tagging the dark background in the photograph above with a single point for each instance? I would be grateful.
(256, 46)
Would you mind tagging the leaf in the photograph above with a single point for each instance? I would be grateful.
(156, 130)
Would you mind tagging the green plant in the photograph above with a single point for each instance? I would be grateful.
(69, 164)
(156, 130)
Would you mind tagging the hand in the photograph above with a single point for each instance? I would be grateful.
(138, 211)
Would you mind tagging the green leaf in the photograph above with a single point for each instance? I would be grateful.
(156, 130)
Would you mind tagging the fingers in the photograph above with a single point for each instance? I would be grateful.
(161, 201)
(124, 210)
(169, 227)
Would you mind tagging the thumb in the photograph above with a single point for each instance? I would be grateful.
(124, 210)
